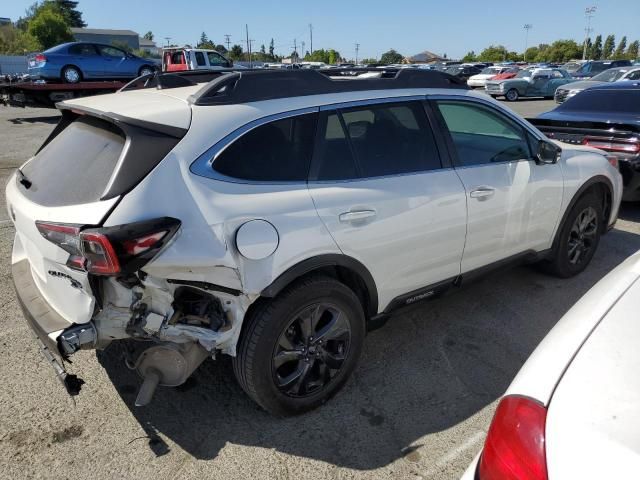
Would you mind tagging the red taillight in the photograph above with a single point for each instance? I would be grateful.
(117, 250)
(40, 58)
(101, 258)
(515, 445)
(142, 244)
(613, 145)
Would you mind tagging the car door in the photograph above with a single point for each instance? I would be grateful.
(380, 188)
(86, 57)
(513, 202)
(116, 63)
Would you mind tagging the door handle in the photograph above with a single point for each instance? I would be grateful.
(356, 215)
(482, 192)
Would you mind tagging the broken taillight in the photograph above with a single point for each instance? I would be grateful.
(110, 250)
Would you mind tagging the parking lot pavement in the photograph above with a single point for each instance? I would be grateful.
(417, 407)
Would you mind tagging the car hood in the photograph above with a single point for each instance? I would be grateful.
(594, 414)
(586, 116)
(482, 76)
(580, 85)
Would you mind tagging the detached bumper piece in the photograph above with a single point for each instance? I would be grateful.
(43, 320)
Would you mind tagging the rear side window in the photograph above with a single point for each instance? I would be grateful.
(279, 151)
(82, 49)
(75, 167)
(215, 59)
(200, 59)
(381, 140)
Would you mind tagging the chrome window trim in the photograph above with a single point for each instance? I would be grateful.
(381, 177)
(203, 165)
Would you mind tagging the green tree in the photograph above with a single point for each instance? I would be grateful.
(390, 57)
(469, 57)
(14, 41)
(271, 50)
(609, 46)
(205, 42)
(493, 53)
(366, 61)
(49, 27)
(620, 50)
(563, 51)
(596, 50)
(221, 49)
(632, 51)
(588, 48)
(531, 53)
(69, 10)
(236, 52)
(148, 35)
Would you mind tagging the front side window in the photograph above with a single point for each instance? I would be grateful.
(481, 135)
(216, 59)
(278, 151)
(111, 52)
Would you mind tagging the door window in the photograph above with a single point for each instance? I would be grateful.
(481, 135)
(374, 141)
(200, 59)
(111, 52)
(83, 49)
(278, 151)
(216, 60)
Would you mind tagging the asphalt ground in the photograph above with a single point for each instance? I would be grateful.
(417, 407)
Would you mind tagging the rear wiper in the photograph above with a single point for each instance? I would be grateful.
(24, 180)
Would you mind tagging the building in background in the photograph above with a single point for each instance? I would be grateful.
(424, 57)
(149, 46)
(108, 37)
(5, 21)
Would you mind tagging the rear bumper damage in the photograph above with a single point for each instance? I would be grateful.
(179, 325)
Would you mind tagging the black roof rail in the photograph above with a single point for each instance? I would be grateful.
(163, 80)
(243, 86)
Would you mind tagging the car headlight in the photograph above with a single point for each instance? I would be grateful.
(573, 92)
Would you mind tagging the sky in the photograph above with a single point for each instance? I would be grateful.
(409, 26)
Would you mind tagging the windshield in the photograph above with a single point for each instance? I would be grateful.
(491, 70)
(524, 74)
(610, 75)
(571, 66)
(453, 70)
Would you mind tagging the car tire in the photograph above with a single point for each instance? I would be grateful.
(146, 70)
(577, 239)
(71, 74)
(298, 349)
(512, 95)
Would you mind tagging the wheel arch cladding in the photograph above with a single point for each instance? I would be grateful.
(600, 185)
(346, 269)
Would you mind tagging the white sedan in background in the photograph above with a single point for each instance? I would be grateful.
(573, 411)
(480, 80)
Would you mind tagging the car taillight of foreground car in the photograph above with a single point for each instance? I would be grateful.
(112, 250)
(515, 445)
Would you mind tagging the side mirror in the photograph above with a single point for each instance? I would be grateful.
(229, 63)
(547, 153)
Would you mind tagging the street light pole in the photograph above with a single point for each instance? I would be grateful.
(527, 27)
(588, 12)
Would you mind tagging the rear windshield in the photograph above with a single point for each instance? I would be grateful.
(75, 167)
(609, 100)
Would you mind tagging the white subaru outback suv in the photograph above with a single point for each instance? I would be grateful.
(276, 216)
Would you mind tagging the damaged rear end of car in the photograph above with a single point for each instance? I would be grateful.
(81, 277)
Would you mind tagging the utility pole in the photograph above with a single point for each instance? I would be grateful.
(311, 37)
(295, 50)
(246, 26)
(527, 27)
(227, 40)
(302, 50)
(588, 12)
(167, 39)
(357, 49)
